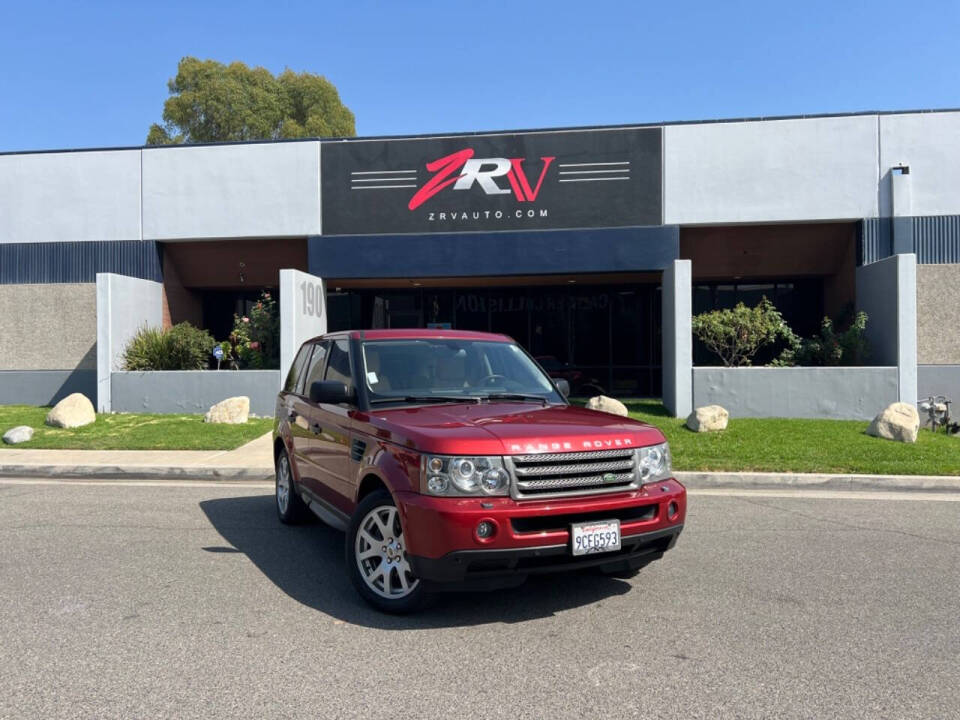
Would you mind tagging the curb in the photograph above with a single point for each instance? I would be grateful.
(137, 472)
(695, 480)
(817, 481)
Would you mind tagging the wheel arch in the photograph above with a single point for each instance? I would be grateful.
(370, 483)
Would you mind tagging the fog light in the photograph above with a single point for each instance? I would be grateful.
(485, 529)
(672, 510)
(437, 484)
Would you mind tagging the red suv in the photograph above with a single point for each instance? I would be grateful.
(453, 461)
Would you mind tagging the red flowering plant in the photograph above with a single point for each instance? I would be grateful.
(255, 339)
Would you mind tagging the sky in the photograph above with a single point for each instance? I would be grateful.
(76, 75)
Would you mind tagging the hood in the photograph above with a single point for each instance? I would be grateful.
(508, 428)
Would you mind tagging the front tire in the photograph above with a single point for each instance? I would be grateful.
(377, 560)
(290, 506)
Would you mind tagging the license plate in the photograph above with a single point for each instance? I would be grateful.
(595, 537)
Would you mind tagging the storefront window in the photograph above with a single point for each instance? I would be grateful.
(800, 302)
(598, 338)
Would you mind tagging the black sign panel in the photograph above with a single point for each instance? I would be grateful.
(536, 180)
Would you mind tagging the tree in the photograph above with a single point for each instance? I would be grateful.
(213, 102)
(736, 335)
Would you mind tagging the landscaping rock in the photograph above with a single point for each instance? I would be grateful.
(899, 421)
(607, 405)
(232, 411)
(74, 410)
(19, 434)
(708, 418)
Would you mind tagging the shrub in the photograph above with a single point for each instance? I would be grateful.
(182, 347)
(255, 340)
(830, 348)
(736, 335)
(190, 347)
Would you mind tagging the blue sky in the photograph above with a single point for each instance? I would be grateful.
(94, 74)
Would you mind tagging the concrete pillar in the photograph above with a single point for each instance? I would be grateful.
(124, 305)
(677, 302)
(907, 327)
(303, 314)
(901, 220)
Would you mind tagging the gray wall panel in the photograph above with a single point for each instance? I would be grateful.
(90, 195)
(676, 310)
(45, 387)
(876, 242)
(877, 296)
(822, 169)
(937, 239)
(929, 143)
(193, 391)
(77, 262)
(538, 252)
(939, 380)
(838, 393)
(224, 191)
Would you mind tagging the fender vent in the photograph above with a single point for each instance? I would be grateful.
(357, 448)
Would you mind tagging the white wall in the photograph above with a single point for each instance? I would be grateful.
(929, 144)
(815, 169)
(303, 313)
(48, 197)
(124, 305)
(231, 191)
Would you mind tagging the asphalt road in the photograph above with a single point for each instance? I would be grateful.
(169, 601)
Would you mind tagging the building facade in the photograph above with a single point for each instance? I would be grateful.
(559, 238)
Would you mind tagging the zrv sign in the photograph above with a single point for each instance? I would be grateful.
(549, 180)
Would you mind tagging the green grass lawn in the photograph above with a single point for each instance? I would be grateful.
(130, 432)
(785, 445)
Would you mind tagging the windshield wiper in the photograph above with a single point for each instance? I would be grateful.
(516, 396)
(428, 398)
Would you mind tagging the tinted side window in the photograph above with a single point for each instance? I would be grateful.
(296, 370)
(315, 371)
(339, 366)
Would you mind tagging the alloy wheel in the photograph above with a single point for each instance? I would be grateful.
(381, 555)
(283, 484)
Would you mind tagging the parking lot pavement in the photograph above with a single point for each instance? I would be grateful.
(193, 601)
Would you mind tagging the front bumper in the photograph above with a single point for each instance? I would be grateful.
(492, 569)
(534, 536)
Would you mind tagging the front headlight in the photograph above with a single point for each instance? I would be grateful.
(653, 463)
(458, 476)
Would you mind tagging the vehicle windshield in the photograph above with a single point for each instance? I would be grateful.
(452, 369)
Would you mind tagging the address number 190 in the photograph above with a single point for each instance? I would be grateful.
(312, 298)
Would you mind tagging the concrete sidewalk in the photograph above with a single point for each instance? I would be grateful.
(254, 461)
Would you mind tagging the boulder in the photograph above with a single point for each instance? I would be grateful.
(19, 434)
(232, 411)
(73, 411)
(708, 418)
(899, 421)
(607, 405)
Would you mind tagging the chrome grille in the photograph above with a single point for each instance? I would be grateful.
(550, 474)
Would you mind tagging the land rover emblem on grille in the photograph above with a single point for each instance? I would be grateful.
(609, 477)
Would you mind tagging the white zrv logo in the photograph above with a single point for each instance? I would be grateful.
(473, 171)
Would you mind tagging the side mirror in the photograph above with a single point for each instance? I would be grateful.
(564, 387)
(331, 392)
